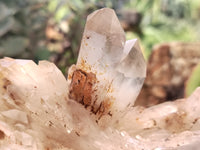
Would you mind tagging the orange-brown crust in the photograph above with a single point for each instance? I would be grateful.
(81, 87)
(82, 90)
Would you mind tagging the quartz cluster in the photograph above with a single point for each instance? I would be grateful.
(93, 109)
(111, 70)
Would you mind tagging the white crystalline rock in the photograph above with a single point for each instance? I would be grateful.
(16, 114)
(174, 117)
(37, 114)
(168, 125)
(118, 65)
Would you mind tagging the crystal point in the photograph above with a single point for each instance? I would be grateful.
(103, 39)
(118, 66)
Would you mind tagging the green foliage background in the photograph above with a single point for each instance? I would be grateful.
(193, 81)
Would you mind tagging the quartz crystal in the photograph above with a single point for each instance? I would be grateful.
(109, 69)
(92, 109)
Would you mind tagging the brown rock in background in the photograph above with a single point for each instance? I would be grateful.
(169, 66)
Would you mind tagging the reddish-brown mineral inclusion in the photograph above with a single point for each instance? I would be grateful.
(81, 87)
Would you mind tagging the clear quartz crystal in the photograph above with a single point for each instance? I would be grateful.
(37, 114)
(118, 65)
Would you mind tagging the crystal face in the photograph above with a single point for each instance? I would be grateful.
(40, 109)
(117, 65)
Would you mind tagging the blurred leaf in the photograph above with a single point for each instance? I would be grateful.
(61, 13)
(13, 46)
(5, 11)
(52, 5)
(154, 34)
(42, 54)
(193, 81)
(6, 25)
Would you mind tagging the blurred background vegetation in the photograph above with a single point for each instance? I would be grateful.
(52, 29)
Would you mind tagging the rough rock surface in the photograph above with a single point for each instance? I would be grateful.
(169, 67)
(35, 113)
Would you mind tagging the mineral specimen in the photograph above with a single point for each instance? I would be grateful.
(41, 110)
(110, 71)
